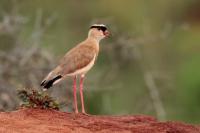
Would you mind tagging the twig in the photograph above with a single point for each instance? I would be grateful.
(155, 96)
(151, 86)
(37, 35)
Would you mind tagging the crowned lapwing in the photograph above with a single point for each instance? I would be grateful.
(78, 61)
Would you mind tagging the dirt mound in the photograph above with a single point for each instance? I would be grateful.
(50, 121)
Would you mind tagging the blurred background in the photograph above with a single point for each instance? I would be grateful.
(150, 65)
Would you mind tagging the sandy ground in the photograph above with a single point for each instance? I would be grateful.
(50, 121)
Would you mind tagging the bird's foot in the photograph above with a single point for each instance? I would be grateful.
(84, 113)
(76, 112)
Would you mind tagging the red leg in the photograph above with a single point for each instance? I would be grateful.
(75, 98)
(81, 94)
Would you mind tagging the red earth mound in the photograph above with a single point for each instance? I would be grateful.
(51, 121)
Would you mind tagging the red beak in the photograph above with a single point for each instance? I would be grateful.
(106, 33)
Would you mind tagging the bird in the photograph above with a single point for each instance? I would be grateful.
(77, 62)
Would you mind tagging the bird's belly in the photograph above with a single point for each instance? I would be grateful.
(83, 70)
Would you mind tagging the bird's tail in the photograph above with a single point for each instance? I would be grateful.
(48, 82)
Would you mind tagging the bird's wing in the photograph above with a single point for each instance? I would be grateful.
(77, 58)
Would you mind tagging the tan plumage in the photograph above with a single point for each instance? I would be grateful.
(76, 59)
(79, 59)
(80, 56)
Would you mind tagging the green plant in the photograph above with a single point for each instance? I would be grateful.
(32, 98)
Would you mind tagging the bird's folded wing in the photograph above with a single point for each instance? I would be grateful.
(76, 59)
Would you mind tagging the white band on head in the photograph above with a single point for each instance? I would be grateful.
(102, 25)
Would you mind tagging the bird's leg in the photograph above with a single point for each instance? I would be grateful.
(75, 98)
(81, 93)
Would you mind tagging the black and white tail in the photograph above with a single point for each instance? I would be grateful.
(49, 82)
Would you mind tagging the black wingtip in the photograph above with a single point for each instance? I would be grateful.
(49, 83)
(42, 84)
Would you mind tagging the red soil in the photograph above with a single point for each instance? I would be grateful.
(50, 121)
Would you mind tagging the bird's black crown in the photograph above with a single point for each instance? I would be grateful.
(99, 26)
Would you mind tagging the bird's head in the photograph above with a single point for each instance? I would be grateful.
(98, 31)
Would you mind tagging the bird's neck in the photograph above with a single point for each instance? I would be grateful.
(93, 39)
(93, 43)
